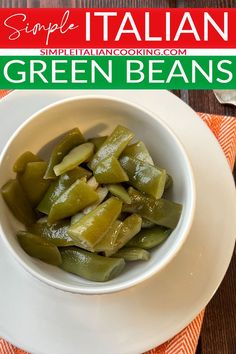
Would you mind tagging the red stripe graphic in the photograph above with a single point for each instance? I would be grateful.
(118, 28)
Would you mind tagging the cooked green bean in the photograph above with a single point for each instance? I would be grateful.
(150, 238)
(93, 183)
(72, 139)
(108, 241)
(56, 233)
(74, 158)
(145, 177)
(102, 193)
(89, 265)
(75, 218)
(15, 198)
(88, 231)
(169, 182)
(32, 181)
(130, 227)
(74, 199)
(119, 191)
(21, 162)
(162, 212)
(147, 223)
(109, 170)
(130, 254)
(37, 247)
(138, 151)
(113, 145)
(59, 186)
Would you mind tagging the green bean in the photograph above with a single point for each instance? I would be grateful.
(102, 193)
(17, 202)
(109, 170)
(145, 177)
(71, 139)
(75, 218)
(59, 186)
(93, 183)
(74, 158)
(89, 265)
(108, 241)
(21, 162)
(149, 238)
(130, 254)
(138, 151)
(130, 227)
(113, 145)
(162, 212)
(169, 182)
(147, 223)
(56, 233)
(32, 181)
(88, 231)
(37, 247)
(74, 199)
(119, 191)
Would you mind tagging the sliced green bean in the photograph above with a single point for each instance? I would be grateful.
(74, 199)
(59, 186)
(138, 151)
(92, 227)
(75, 218)
(119, 191)
(102, 193)
(93, 183)
(73, 138)
(162, 212)
(74, 158)
(147, 223)
(21, 162)
(130, 227)
(56, 233)
(113, 145)
(37, 247)
(109, 170)
(130, 254)
(89, 265)
(169, 182)
(17, 202)
(108, 241)
(149, 238)
(32, 181)
(145, 177)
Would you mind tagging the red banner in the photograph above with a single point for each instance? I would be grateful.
(118, 28)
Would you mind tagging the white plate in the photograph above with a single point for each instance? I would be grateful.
(44, 320)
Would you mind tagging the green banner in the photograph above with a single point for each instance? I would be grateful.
(116, 72)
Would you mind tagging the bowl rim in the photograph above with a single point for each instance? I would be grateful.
(106, 288)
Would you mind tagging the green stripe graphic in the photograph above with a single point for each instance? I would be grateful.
(117, 72)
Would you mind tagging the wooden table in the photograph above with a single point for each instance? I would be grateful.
(218, 334)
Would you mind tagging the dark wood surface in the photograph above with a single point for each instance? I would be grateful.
(218, 334)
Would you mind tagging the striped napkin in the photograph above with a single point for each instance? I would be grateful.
(185, 342)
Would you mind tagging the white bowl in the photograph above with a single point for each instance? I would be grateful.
(98, 116)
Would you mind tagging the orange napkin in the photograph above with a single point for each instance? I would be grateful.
(185, 342)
